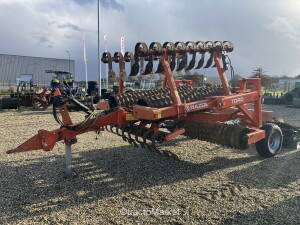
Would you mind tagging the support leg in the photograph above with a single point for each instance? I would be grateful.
(68, 152)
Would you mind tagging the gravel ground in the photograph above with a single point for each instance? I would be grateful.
(120, 184)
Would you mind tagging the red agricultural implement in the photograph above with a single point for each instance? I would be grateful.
(218, 113)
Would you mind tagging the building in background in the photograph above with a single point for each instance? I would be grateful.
(288, 84)
(14, 68)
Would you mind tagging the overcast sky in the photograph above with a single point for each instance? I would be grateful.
(265, 33)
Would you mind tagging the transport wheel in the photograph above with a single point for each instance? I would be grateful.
(271, 144)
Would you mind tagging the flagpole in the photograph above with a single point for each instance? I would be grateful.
(85, 60)
(99, 63)
(122, 46)
(86, 80)
(106, 65)
(122, 50)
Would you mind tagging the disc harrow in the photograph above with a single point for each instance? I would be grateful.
(214, 113)
(139, 135)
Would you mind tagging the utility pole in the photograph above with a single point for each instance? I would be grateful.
(99, 63)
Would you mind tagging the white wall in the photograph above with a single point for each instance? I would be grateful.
(287, 83)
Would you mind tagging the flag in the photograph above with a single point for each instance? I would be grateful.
(105, 41)
(122, 46)
(84, 50)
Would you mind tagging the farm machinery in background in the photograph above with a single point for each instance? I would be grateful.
(63, 80)
(21, 95)
(218, 113)
(290, 99)
(40, 98)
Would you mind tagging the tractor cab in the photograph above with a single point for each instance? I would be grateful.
(70, 83)
(62, 78)
(54, 83)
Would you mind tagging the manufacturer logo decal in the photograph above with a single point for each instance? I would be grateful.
(237, 100)
(197, 106)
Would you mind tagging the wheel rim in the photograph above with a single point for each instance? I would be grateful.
(274, 141)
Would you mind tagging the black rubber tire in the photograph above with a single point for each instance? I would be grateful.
(92, 83)
(92, 87)
(88, 91)
(272, 143)
(288, 98)
(10, 103)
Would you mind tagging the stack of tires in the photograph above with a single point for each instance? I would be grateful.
(92, 87)
(9, 103)
(288, 98)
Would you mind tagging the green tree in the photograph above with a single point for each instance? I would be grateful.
(266, 80)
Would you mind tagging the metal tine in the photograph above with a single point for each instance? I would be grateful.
(210, 46)
(111, 73)
(129, 57)
(201, 62)
(140, 50)
(120, 60)
(160, 68)
(182, 63)
(201, 48)
(157, 47)
(192, 46)
(142, 70)
(209, 61)
(131, 141)
(111, 128)
(137, 133)
(131, 130)
(165, 153)
(153, 146)
(123, 129)
(149, 66)
(182, 46)
(172, 56)
(118, 128)
(145, 136)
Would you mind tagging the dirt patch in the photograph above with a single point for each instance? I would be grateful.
(120, 184)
